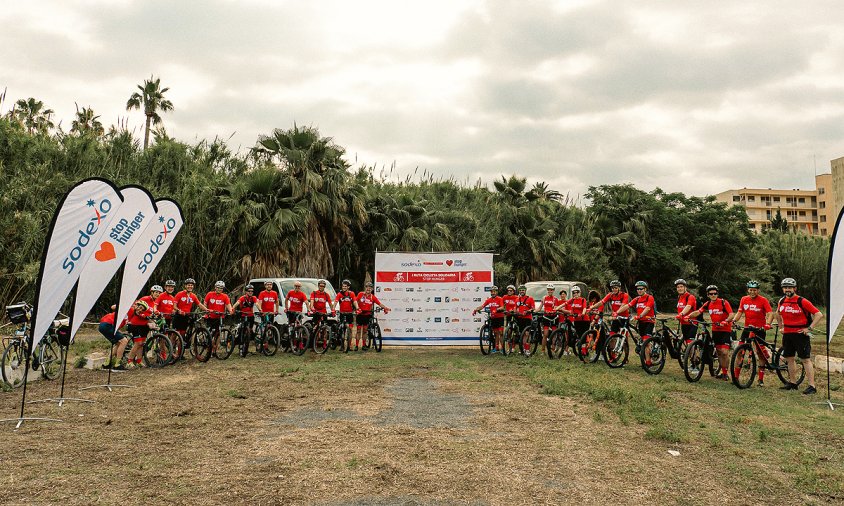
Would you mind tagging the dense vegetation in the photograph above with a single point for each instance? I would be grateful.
(293, 206)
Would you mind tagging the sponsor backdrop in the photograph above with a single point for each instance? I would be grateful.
(431, 296)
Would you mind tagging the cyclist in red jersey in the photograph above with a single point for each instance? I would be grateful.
(797, 317)
(616, 298)
(757, 313)
(294, 302)
(644, 309)
(549, 304)
(320, 302)
(496, 315)
(346, 304)
(561, 300)
(720, 313)
(117, 339)
(138, 319)
(575, 308)
(246, 303)
(185, 302)
(524, 306)
(152, 299)
(269, 299)
(366, 302)
(218, 305)
(166, 302)
(686, 303)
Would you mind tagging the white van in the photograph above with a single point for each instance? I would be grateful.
(284, 285)
(537, 289)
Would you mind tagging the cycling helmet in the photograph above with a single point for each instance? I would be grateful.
(493, 288)
(641, 283)
(268, 282)
(680, 281)
(712, 287)
(753, 284)
(549, 286)
(615, 282)
(156, 288)
(575, 288)
(143, 304)
(522, 287)
(346, 282)
(322, 282)
(788, 282)
(249, 288)
(219, 284)
(169, 282)
(511, 287)
(190, 281)
(368, 283)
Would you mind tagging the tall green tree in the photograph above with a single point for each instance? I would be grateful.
(86, 122)
(32, 115)
(150, 98)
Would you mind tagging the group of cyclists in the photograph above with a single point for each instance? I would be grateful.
(795, 315)
(176, 309)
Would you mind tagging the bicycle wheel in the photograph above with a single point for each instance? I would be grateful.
(225, 344)
(50, 358)
(555, 343)
(653, 355)
(681, 350)
(299, 340)
(157, 350)
(13, 365)
(693, 361)
(485, 339)
(743, 366)
(201, 345)
(509, 341)
(178, 346)
(284, 338)
(321, 340)
(375, 338)
(242, 339)
(586, 348)
(713, 364)
(270, 338)
(527, 345)
(782, 368)
(616, 350)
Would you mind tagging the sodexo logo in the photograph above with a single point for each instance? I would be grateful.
(167, 226)
(86, 231)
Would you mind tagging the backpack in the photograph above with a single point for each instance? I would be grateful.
(800, 305)
(695, 306)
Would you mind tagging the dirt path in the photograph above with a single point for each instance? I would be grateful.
(404, 427)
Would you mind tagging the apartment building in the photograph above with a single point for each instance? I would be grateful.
(798, 207)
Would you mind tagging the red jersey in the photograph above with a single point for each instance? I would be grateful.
(296, 299)
(718, 310)
(186, 300)
(576, 305)
(755, 310)
(165, 304)
(347, 301)
(616, 300)
(216, 302)
(496, 307)
(684, 300)
(150, 302)
(366, 301)
(509, 302)
(549, 302)
(524, 305)
(246, 304)
(109, 318)
(640, 303)
(268, 301)
(320, 301)
(795, 312)
(137, 318)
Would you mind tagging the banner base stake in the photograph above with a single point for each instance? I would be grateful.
(28, 419)
(60, 400)
(108, 386)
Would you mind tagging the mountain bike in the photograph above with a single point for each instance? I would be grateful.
(323, 334)
(532, 336)
(664, 343)
(743, 363)
(617, 348)
(486, 337)
(700, 353)
(222, 340)
(374, 339)
(46, 357)
(158, 350)
(243, 332)
(197, 338)
(561, 338)
(295, 334)
(510, 341)
(590, 344)
(166, 328)
(267, 335)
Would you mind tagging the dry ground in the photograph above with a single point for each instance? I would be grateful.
(419, 426)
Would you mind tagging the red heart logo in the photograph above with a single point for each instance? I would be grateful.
(449, 262)
(106, 252)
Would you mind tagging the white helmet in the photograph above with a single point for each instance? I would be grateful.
(549, 286)
(156, 288)
(219, 284)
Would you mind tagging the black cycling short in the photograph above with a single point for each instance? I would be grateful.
(618, 324)
(318, 317)
(143, 330)
(347, 318)
(292, 316)
(214, 324)
(745, 334)
(796, 343)
(645, 329)
(497, 323)
(180, 321)
(364, 319)
(721, 338)
(522, 324)
(689, 332)
(580, 327)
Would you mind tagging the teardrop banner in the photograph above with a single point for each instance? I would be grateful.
(76, 232)
(147, 252)
(134, 216)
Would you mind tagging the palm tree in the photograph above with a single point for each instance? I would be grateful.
(87, 122)
(32, 115)
(151, 98)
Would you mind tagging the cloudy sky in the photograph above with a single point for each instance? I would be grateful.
(577, 93)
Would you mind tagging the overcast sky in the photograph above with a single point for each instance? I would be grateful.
(672, 94)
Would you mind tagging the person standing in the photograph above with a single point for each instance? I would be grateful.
(686, 303)
(720, 313)
(496, 315)
(797, 317)
(759, 315)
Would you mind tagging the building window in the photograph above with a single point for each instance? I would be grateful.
(751, 198)
(823, 218)
(823, 231)
(801, 200)
(752, 226)
(821, 190)
(736, 198)
(802, 213)
(822, 205)
(776, 199)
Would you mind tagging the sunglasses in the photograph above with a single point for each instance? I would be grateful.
(640, 288)
(712, 293)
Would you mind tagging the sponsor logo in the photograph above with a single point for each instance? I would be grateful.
(455, 299)
(85, 232)
(455, 320)
(399, 277)
(412, 264)
(408, 310)
(416, 300)
(438, 320)
(419, 309)
(167, 226)
(378, 289)
(469, 276)
(387, 329)
(409, 289)
(106, 252)
(428, 320)
(432, 263)
(125, 229)
(447, 319)
(478, 320)
(409, 330)
(476, 299)
(439, 299)
(449, 262)
(447, 299)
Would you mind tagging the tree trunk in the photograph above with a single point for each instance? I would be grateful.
(146, 133)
